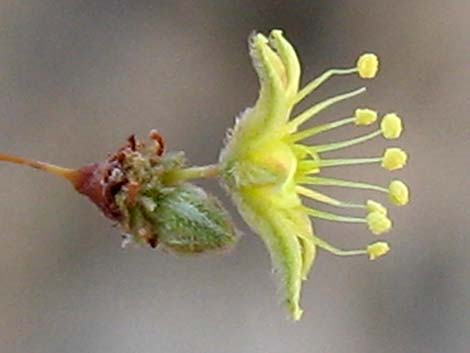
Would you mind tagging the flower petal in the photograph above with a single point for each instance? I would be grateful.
(274, 227)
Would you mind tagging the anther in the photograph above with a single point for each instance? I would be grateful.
(374, 206)
(367, 65)
(398, 193)
(377, 250)
(391, 126)
(394, 158)
(365, 116)
(378, 222)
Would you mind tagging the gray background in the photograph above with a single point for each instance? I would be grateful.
(77, 77)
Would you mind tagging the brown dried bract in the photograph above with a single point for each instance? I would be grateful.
(101, 182)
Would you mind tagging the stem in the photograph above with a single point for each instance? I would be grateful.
(200, 172)
(69, 174)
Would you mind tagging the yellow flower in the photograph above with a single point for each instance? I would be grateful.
(269, 170)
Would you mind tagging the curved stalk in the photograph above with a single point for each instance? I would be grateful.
(70, 174)
(201, 172)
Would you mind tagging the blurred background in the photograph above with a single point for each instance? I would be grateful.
(78, 77)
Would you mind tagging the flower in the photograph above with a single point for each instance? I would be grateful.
(270, 172)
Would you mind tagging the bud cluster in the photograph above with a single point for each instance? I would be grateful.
(131, 187)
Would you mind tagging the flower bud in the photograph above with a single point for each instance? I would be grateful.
(130, 188)
(188, 220)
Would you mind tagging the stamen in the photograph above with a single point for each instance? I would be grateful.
(377, 220)
(319, 129)
(397, 190)
(339, 162)
(317, 196)
(344, 144)
(314, 84)
(335, 251)
(333, 217)
(303, 117)
(324, 181)
(390, 128)
(362, 117)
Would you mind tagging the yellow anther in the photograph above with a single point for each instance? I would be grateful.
(398, 193)
(391, 126)
(374, 206)
(378, 223)
(394, 158)
(365, 116)
(377, 250)
(367, 65)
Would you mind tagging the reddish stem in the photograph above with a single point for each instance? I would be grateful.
(71, 175)
(91, 180)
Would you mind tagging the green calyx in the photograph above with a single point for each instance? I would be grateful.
(183, 219)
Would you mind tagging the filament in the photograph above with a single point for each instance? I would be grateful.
(303, 117)
(314, 84)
